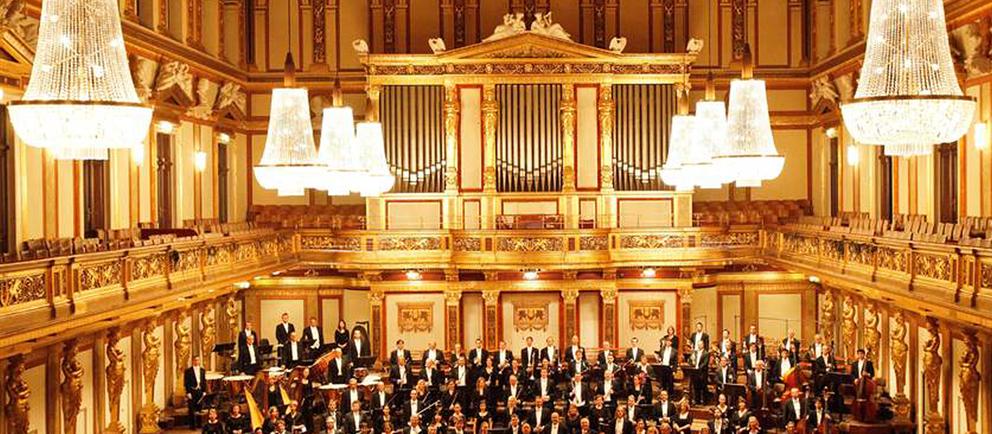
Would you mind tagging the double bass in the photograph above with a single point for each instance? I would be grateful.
(865, 407)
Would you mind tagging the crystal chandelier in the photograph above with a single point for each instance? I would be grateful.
(377, 178)
(80, 100)
(673, 172)
(337, 152)
(709, 135)
(908, 97)
(289, 161)
(750, 156)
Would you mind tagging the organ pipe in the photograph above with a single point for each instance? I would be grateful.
(641, 124)
(413, 127)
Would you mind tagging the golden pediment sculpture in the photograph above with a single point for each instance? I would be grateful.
(530, 317)
(646, 314)
(415, 317)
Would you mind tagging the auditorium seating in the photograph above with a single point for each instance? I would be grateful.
(759, 212)
(970, 231)
(348, 217)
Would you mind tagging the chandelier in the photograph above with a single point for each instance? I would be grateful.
(750, 156)
(337, 152)
(908, 97)
(673, 172)
(377, 178)
(289, 161)
(709, 135)
(80, 100)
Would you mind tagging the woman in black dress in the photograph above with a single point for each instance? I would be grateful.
(738, 418)
(482, 414)
(341, 335)
(490, 374)
(213, 425)
(682, 423)
(237, 422)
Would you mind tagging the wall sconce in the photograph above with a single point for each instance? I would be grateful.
(853, 156)
(165, 127)
(831, 132)
(648, 272)
(413, 275)
(138, 154)
(200, 161)
(223, 138)
(531, 275)
(981, 132)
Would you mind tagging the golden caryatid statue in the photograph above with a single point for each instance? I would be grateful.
(827, 319)
(231, 309)
(71, 387)
(184, 347)
(932, 370)
(849, 327)
(899, 348)
(208, 333)
(149, 360)
(872, 335)
(115, 379)
(18, 395)
(971, 379)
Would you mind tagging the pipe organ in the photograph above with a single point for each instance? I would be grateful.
(528, 142)
(413, 130)
(640, 134)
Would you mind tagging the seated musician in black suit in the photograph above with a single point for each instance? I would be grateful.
(337, 368)
(295, 419)
(238, 422)
(783, 365)
(634, 412)
(350, 396)
(512, 410)
(413, 426)
(379, 398)
(540, 416)
(399, 352)
(544, 386)
(640, 389)
(794, 408)
(818, 416)
(292, 352)
(620, 424)
(432, 375)
(665, 410)
(461, 373)
(610, 389)
(514, 389)
(249, 358)
(556, 425)
(354, 421)
(720, 424)
(195, 383)
(416, 407)
(740, 416)
(757, 382)
(579, 394)
(400, 374)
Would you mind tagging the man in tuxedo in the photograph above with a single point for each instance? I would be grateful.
(728, 348)
(358, 348)
(720, 424)
(461, 374)
(757, 382)
(399, 352)
(573, 350)
(399, 374)
(620, 424)
(413, 427)
(337, 370)
(541, 416)
(350, 396)
(379, 398)
(665, 409)
(783, 365)
(794, 409)
(584, 426)
(700, 360)
(753, 338)
(818, 416)
(431, 374)
(609, 389)
(699, 336)
(529, 355)
(668, 357)
(248, 357)
(513, 412)
(544, 386)
(313, 338)
(503, 356)
(555, 426)
(791, 344)
(195, 383)
(861, 367)
(431, 353)
(605, 353)
(751, 357)
(243, 336)
(477, 356)
(579, 394)
(514, 389)
(355, 419)
(725, 375)
(634, 352)
(816, 350)
(283, 329)
(415, 406)
(822, 365)
(292, 352)
(550, 352)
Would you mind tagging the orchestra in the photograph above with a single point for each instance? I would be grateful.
(339, 387)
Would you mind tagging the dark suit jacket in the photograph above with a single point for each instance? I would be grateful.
(661, 408)
(434, 379)
(551, 388)
(730, 378)
(705, 338)
(508, 357)
(553, 358)
(823, 364)
(569, 353)
(243, 339)
(353, 351)
(529, 356)
(616, 394)
(394, 376)
(601, 358)
(544, 419)
(309, 338)
(789, 411)
(478, 356)
(812, 421)
(281, 334)
(868, 369)
(746, 343)
(726, 428)
(287, 354)
(190, 380)
(704, 361)
(628, 428)
(395, 355)
(753, 384)
(349, 423)
(632, 356)
(245, 362)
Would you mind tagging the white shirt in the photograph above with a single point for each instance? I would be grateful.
(354, 394)
(577, 391)
(619, 428)
(666, 355)
(314, 335)
(697, 337)
(551, 353)
(608, 389)
(554, 429)
(461, 375)
(251, 354)
(817, 350)
(293, 353)
(403, 374)
(544, 386)
(723, 373)
(758, 379)
(413, 407)
(502, 357)
(635, 352)
(796, 407)
(664, 408)
(725, 346)
(285, 326)
(358, 347)
(337, 363)
(698, 356)
(356, 418)
(196, 375)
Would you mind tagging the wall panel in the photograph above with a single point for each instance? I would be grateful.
(587, 158)
(777, 314)
(791, 184)
(270, 312)
(533, 304)
(417, 339)
(470, 139)
(37, 381)
(472, 319)
(645, 301)
(589, 320)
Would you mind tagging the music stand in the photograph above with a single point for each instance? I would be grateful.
(364, 362)
(224, 348)
(734, 390)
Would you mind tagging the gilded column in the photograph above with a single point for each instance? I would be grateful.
(131, 10)
(183, 350)
(490, 114)
(606, 107)
(899, 349)
(971, 380)
(849, 327)
(18, 406)
(376, 298)
(208, 334)
(567, 105)
(490, 317)
(451, 119)
(609, 298)
(71, 389)
(115, 370)
(570, 298)
(452, 316)
(150, 357)
(163, 17)
(933, 364)
(857, 20)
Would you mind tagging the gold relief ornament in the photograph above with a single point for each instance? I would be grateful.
(530, 317)
(232, 312)
(184, 348)
(646, 314)
(415, 317)
(899, 349)
(608, 294)
(933, 266)
(872, 335)
(18, 407)
(376, 296)
(22, 289)
(827, 318)
(651, 241)
(72, 386)
(115, 370)
(971, 379)
(849, 326)
(594, 243)
(100, 276)
(149, 369)
(410, 243)
(208, 333)
(570, 295)
(932, 363)
(530, 244)
(490, 297)
(452, 297)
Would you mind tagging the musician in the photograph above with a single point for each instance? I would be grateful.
(270, 423)
(455, 354)
(541, 416)
(450, 398)
(459, 426)
(579, 393)
(584, 427)
(721, 404)
(550, 352)
(330, 426)
(572, 419)
(248, 357)
(358, 348)
(503, 356)
(579, 364)
(752, 426)
(514, 389)
(529, 355)
(668, 358)
(456, 413)
(382, 423)
(544, 386)
(599, 415)
(514, 425)
(460, 373)
(757, 382)
(243, 336)
(699, 336)
(728, 348)
(283, 329)
(574, 351)
(751, 357)
(620, 424)
(478, 355)
(794, 409)
(701, 361)
(512, 411)
(301, 388)
(413, 427)
(725, 374)
(482, 414)
(195, 383)
(295, 420)
(640, 389)
(556, 426)
(720, 423)
(517, 371)
(292, 351)
(861, 367)
(414, 406)
(480, 394)
(490, 373)
(337, 369)
(753, 338)
(665, 409)
(740, 416)
(609, 388)
(400, 374)
(313, 338)
(791, 344)
(431, 374)
(399, 353)
(605, 354)
(379, 398)
(237, 422)
(341, 335)
(783, 365)
(682, 422)
(642, 366)
(816, 350)
(213, 425)
(819, 416)
(350, 396)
